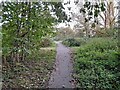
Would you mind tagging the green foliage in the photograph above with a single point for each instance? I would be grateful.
(24, 24)
(107, 33)
(71, 42)
(74, 42)
(92, 10)
(97, 64)
(58, 9)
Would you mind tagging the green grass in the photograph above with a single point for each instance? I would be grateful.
(32, 73)
(97, 64)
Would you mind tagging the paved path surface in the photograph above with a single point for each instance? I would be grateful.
(61, 75)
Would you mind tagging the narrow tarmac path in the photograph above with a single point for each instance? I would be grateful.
(61, 75)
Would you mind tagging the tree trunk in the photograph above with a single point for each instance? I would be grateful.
(119, 25)
(119, 14)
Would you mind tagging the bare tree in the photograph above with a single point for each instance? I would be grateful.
(81, 24)
(108, 17)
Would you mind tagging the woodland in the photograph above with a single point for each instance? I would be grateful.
(29, 36)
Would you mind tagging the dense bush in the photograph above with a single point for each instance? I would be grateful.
(73, 42)
(45, 42)
(97, 64)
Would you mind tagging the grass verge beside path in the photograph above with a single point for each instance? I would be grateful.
(32, 73)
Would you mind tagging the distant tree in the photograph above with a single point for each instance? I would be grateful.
(65, 32)
(95, 14)
(109, 16)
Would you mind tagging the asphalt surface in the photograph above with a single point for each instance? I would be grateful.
(61, 75)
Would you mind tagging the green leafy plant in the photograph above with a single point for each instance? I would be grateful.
(97, 64)
(71, 42)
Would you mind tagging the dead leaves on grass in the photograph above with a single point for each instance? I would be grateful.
(30, 73)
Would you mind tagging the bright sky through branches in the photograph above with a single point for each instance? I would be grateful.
(75, 9)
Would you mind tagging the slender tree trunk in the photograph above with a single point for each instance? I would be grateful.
(17, 42)
(105, 20)
(4, 61)
(86, 27)
(119, 14)
(119, 25)
(28, 20)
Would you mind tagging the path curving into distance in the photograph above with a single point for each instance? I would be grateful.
(61, 75)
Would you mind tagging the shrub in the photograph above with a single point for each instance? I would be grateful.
(106, 33)
(97, 64)
(71, 42)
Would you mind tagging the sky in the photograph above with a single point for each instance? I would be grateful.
(73, 9)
